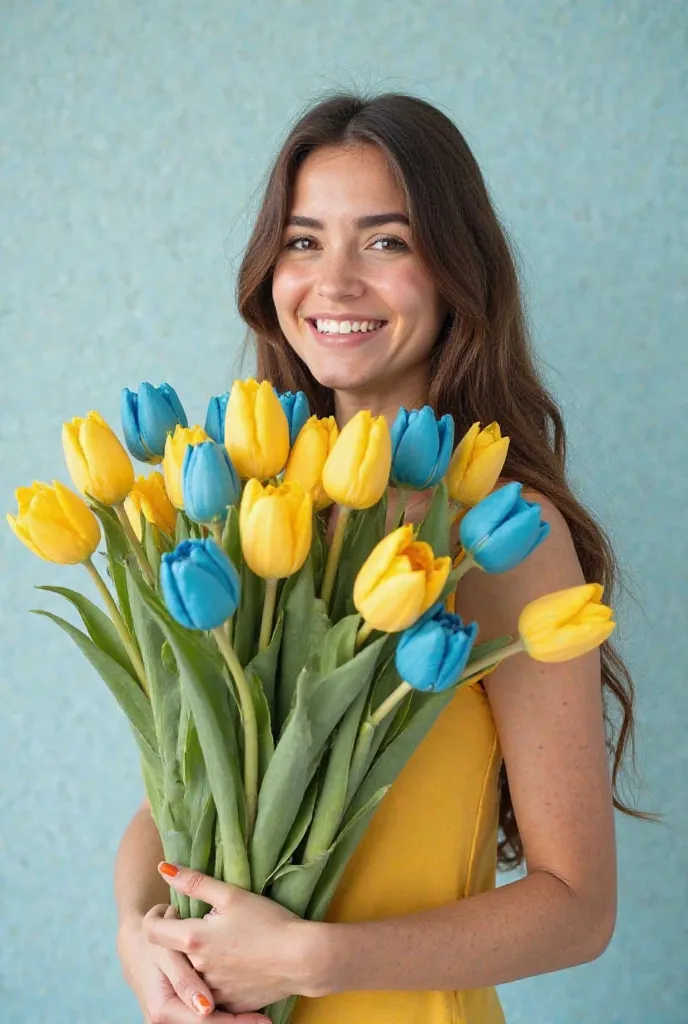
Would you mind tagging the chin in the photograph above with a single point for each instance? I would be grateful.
(342, 377)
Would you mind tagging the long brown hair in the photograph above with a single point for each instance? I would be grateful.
(482, 368)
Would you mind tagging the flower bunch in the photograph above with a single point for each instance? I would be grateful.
(260, 657)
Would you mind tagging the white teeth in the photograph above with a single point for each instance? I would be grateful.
(347, 326)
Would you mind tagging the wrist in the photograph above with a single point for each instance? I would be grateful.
(314, 969)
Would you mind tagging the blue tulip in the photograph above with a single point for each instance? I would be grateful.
(209, 482)
(421, 447)
(199, 584)
(502, 529)
(432, 654)
(148, 416)
(215, 417)
(297, 411)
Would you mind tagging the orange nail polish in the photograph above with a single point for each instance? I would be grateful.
(201, 1003)
(170, 870)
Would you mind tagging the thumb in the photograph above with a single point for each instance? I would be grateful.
(196, 884)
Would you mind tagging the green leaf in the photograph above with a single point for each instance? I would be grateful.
(98, 625)
(231, 538)
(202, 843)
(151, 540)
(266, 745)
(264, 664)
(293, 884)
(340, 855)
(332, 798)
(435, 529)
(305, 626)
(122, 686)
(181, 531)
(320, 703)
(300, 826)
(364, 530)
(163, 683)
(248, 615)
(339, 643)
(117, 554)
(207, 693)
(318, 549)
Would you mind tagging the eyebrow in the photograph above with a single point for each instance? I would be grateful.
(374, 220)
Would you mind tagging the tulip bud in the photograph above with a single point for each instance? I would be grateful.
(55, 523)
(148, 496)
(308, 456)
(421, 447)
(276, 526)
(356, 473)
(476, 464)
(97, 462)
(400, 579)
(148, 416)
(297, 411)
(502, 529)
(209, 482)
(199, 584)
(256, 430)
(432, 654)
(173, 459)
(215, 418)
(566, 624)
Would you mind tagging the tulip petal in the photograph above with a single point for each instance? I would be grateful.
(172, 399)
(415, 459)
(130, 425)
(379, 560)
(215, 417)
(110, 471)
(267, 538)
(170, 589)
(554, 610)
(511, 542)
(156, 419)
(482, 520)
(398, 430)
(483, 472)
(395, 603)
(224, 567)
(435, 581)
(79, 516)
(570, 642)
(20, 531)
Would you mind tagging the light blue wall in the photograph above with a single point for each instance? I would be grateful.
(133, 138)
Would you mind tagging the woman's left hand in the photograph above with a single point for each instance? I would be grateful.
(250, 951)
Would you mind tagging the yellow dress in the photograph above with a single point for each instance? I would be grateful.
(433, 840)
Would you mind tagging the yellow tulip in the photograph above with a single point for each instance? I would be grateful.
(399, 581)
(148, 496)
(256, 430)
(356, 472)
(55, 523)
(97, 462)
(566, 624)
(276, 526)
(308, 456)
(476, 464)
(173, 459)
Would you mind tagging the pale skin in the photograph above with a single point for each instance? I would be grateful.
(548, 717)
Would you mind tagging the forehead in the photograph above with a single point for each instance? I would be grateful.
(353, 180)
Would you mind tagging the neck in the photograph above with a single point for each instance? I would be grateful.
(384, 398)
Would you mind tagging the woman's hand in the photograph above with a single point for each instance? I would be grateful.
(251, 951)
(168, 989)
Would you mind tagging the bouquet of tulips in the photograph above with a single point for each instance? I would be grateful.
(277, 681)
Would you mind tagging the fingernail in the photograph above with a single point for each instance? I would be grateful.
(201, 1003)
(170, 870)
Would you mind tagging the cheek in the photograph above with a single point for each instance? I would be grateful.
(287, 289)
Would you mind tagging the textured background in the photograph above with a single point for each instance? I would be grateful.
(134, 137)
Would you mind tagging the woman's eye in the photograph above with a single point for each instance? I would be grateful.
(294, 243)
(391, 243)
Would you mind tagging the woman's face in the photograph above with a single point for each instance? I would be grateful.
(351, 296)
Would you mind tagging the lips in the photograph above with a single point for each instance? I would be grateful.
(352, 339)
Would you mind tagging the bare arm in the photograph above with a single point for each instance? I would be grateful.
(138, 885)
(550, 724)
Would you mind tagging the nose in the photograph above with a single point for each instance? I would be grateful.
(338, 278)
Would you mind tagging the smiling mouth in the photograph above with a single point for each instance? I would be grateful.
(336, 328)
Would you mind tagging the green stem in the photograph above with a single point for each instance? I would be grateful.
(144, 564)
(119, 624)
(490, 660)
(359, 757)
(248, 716)
(395, 697)
(363, 634)
(268, 614)
(464, 567)
(217, 530)
(334, 554)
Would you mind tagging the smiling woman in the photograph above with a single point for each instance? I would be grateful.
(378, 276)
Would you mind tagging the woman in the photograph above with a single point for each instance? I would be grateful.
(378, 276)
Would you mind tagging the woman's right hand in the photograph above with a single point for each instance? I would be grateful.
(167, 987)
